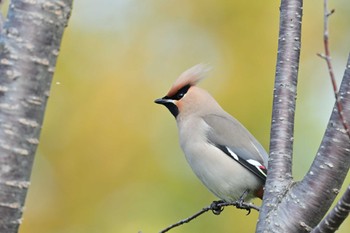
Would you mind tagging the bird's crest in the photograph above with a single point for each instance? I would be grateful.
(189, 77)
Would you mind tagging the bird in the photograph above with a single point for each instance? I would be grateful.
(222, 153)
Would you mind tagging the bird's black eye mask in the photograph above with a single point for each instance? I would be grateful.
(179, 94)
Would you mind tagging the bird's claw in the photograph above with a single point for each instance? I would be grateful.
(215, 208)
(241, 204)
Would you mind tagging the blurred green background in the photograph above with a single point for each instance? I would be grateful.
(109, 159)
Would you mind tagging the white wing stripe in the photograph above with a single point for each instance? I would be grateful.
(254, 162)
(257, 165)
(233, 154)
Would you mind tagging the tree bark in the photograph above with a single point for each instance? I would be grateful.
(335, 217)
(318, 189)
(290, 206)
(279, 176)
(305, 203)
(29, 46)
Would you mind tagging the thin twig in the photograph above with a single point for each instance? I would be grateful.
(186, 220)
(217, 208)
(327, 58)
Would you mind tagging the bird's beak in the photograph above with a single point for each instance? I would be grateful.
(163, 101)
(170, 104)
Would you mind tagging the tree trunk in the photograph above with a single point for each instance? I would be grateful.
(29, 45)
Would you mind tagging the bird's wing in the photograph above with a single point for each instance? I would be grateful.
(231, 137)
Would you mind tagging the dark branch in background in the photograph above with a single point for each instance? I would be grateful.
(217, 207)
(336, 217)
(279, 175)
(29, 45)
(328, 59)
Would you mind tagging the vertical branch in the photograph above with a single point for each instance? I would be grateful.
(285, 91)
(29, 46)
(284, 98)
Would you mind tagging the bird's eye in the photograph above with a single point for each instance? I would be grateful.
(181, 93)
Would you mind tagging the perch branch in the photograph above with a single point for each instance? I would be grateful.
(217, 207)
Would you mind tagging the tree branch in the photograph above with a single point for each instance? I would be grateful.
(328, 59)
(339, 213)
(323, 181)
(29, 46)
(336, 217)
(282, 127)
(314, 195)
(217, 207)
(279, 176)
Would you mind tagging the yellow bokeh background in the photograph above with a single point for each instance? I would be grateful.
(109, 159)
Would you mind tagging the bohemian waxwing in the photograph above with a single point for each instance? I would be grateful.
(228, 160)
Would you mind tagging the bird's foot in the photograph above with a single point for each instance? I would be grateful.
(216, 208)
(241, 204)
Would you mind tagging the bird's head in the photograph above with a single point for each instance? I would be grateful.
(184, 97)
